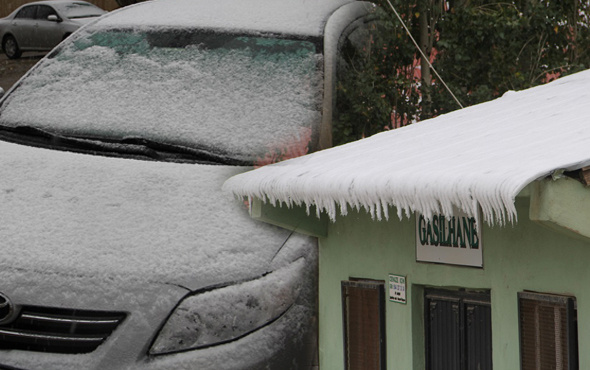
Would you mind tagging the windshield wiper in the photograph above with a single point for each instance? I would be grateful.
(184, 152)
(85, 16)
(31, 135)
(131, 146)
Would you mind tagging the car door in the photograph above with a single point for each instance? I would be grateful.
(47, 33)
(23, 26)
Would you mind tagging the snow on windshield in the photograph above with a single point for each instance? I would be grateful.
(237, 95)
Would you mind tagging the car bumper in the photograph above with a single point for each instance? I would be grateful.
(285, 343)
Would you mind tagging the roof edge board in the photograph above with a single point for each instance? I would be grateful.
(293, 217)
(562, 205)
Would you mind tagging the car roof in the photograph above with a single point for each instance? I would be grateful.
(293, 17)
(55, 2)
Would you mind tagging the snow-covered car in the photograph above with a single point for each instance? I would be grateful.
(40, 26)
(119, 249)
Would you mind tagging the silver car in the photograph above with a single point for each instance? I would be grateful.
(40, 26)
(119, 249)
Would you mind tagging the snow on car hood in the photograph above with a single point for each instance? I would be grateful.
(107, 217)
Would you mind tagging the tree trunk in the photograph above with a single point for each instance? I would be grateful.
(426, 41)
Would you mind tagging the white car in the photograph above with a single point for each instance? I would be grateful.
(41, 25)
(119, 250)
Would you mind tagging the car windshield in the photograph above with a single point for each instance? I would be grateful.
(75, 10)
(246, 97)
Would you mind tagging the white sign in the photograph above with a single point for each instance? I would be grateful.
(397, 288)
(455, 240)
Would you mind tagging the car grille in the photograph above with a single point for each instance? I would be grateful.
(58, 330)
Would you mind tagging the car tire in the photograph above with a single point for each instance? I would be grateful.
(10, 47)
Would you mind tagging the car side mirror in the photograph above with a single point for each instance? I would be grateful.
(53, 18)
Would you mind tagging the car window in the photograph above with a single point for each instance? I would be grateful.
(44, 11)
(80, 10)
(28, 12)
(253, 98)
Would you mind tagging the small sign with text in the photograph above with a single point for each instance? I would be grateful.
(397, 288)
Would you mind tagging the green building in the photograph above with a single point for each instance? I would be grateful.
(460, 242)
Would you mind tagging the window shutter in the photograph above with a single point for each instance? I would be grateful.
(363, 304)
(444, 334)
(458, 330)
(478, 333)
(548, 332)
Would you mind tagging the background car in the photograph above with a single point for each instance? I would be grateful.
(40, 26)
(119, 248)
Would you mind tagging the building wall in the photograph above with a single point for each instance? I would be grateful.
(526, 256)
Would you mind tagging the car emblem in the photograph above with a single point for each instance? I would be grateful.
(8, 311)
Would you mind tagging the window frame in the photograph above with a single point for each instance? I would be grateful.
(373, 285)
(22, 14)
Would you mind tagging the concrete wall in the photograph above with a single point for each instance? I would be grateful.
(526, 256)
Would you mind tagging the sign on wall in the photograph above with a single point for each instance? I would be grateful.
(455, 240)
(397, 288)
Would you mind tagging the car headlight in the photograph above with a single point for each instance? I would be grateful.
(229, 313)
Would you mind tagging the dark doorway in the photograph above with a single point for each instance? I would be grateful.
(458, 330)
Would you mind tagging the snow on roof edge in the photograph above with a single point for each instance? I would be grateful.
(497, 208)
(478, 157)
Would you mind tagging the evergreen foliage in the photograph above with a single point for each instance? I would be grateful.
(480, 48)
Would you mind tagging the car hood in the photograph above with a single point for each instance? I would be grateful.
(69, 214)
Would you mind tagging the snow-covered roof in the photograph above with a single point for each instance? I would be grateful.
(304, 18)
(481, 156)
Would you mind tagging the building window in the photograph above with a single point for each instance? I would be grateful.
(458, 330)
(548, 331)
(363, 308)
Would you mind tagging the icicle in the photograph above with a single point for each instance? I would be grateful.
(385, 207)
